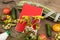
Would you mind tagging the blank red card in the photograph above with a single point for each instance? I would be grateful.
(28, 10)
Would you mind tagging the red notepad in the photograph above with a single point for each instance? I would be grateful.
(28, 10)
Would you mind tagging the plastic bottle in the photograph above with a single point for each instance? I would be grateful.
(4, 35)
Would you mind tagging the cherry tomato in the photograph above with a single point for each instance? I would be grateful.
(43, 37)
(6, 11)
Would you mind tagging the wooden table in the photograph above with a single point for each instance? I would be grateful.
(53, 4)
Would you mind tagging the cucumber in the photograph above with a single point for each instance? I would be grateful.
(48, 30)
(14, 13)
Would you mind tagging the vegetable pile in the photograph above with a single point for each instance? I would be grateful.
(9, 18)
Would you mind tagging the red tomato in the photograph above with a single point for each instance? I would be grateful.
(43, 37)
(6, 11)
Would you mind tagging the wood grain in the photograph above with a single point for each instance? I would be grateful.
(53, 4)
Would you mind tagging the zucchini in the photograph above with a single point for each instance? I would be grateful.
(14, 13)
(48, 30)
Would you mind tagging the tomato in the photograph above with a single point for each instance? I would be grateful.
(6, 11)
(43, 37)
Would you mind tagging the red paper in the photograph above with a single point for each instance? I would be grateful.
(20, 27)
(28, 10)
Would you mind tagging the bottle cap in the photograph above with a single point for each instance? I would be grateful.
(8, 32)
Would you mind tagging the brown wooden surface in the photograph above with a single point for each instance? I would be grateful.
(53, 4)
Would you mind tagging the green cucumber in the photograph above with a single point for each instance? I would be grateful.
(14, 13)
(48, 30)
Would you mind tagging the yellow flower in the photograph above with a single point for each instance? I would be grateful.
(6, 21)
(8, 17)
(25, 17)
(37, 27)
(9, 20)
(39, 17)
